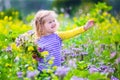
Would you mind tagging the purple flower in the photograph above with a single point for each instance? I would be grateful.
(66, 52)
(18, 42)
(21, 39)
(114, 78)
(72, 63)
(103, 67)
(118, 60)
(62, 71)
(93, 69)
(40, 49)
(19, 74)
(106, 69)
(9, 49)
(62, 59)
(31, 74)
(73, 55)
(16, 59)
(112, 55)
(77, 49)
(84, 53)
(31, 32)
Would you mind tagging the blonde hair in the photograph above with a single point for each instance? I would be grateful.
(39, 21)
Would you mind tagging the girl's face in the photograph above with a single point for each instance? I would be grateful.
(50, 25)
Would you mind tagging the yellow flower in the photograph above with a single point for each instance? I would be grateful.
(34, 61)
(5, 31)
(54, 67)
(29, 62)
(105, 14)
(6, 18)
(16, 13)
(8, 65)
(93, 19)
(10, 18)
(4, 47)
(49, 71)
(18, 49)
(30, 68)
(30, 48)
(81, 67)
(97, 10)
(13, 45)
(74, 26)
(68, 28)
(24, 57)
(2, 13)
(114, 31)
(52, 58)
(113, 20)
(44, 54)
(44, 71)
(61, 15)
(50, 62)
(75, 19)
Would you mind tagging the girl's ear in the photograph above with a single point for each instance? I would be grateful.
(42, 29)
(37, 25)
(37, 28)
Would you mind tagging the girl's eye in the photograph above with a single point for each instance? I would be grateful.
(50, 22)
(53, 20)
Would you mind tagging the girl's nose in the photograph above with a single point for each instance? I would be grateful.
(54, 24)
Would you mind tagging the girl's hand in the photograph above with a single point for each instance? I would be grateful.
(89, 24)
(34, 56)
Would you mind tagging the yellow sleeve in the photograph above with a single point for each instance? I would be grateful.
(71, 33)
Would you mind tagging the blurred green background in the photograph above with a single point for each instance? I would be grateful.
(67, 6)
(96, 50)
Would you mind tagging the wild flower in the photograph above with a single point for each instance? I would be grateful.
(118, 60)
(20, 74)
(30, 68)
(54, 67)
(113, 54)
(9, 49)
(106, 69)
(31, 74)
(93, 69)
(31, 32)
(114, 78)
(72, 63)
(44, 53)
(16, 59)
(8, 65)
(50, 62)
(62, 71)
(40, 49)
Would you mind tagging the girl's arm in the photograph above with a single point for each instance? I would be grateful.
(71, 33)
(76, 31)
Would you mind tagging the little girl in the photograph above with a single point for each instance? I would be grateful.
(48, 39)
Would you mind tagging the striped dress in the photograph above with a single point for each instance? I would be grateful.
(52, 44)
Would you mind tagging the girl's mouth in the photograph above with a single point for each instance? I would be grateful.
(53, 27)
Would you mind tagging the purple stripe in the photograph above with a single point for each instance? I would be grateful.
(52, 44)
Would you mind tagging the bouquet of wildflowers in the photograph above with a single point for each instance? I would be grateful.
(27, 42)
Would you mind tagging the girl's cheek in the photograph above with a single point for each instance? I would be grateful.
(57, 24)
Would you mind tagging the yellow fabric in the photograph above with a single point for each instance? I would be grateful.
(71, 33)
